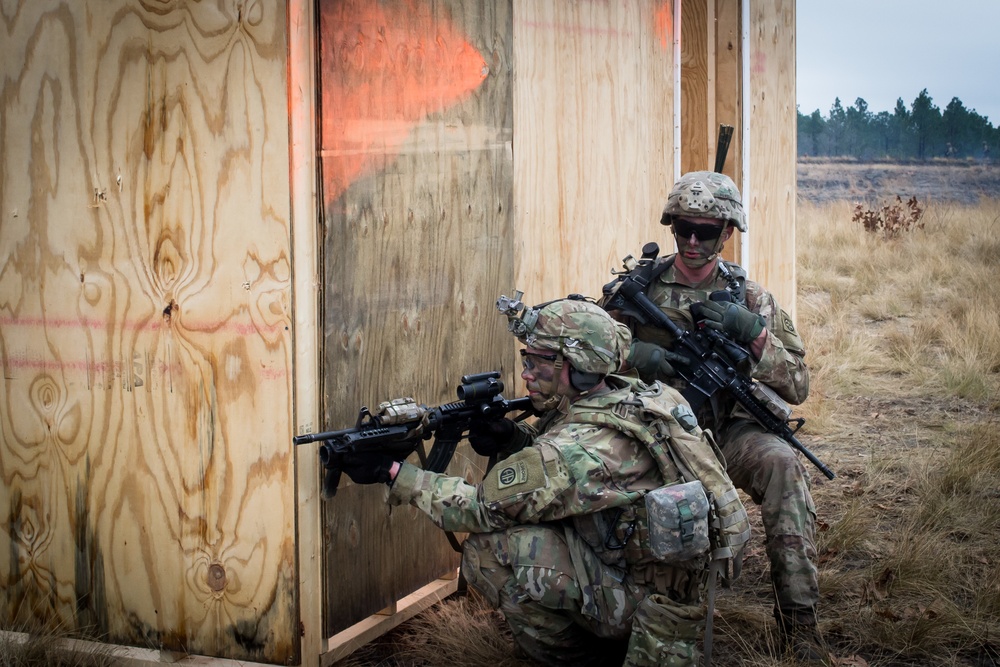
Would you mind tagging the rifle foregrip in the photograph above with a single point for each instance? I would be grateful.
(331, 480)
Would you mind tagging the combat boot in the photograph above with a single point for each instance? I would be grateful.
(803, 641)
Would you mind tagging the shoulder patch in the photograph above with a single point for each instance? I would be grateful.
(516, 475)
(786, 323)
(788, 335)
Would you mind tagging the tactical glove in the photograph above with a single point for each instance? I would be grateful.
(731, 319)
(367, 468)
(490, 437)
(652, 361)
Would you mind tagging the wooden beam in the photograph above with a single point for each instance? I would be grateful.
(350, 640)
(694, 86)
(305, 293)
(727, 90)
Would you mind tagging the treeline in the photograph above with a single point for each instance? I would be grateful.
(919, 132)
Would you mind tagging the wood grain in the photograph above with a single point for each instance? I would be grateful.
(417, 177)
(593, 143)
(147, 480)
(772, 149)
(728, 91)
(696, 79)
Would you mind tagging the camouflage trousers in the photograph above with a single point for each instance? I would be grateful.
(769, 471)
(566, 607)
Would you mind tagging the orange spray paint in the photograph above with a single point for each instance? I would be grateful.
(384, 68)
(664, 22)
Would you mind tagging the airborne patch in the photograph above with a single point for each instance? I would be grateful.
(512, 475)
(520, 475)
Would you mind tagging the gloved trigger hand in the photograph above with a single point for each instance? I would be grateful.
(731, 319)
(654, 362)
(490, 437)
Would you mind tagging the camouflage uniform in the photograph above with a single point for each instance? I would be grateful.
(761, 464)
(559, 538)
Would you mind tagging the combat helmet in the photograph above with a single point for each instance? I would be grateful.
(705, 194)
(592, 342)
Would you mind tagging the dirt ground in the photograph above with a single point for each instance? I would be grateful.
(959, 181)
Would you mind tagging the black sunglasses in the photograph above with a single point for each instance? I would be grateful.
(683, 229)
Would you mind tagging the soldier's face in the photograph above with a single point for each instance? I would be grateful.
(698, 239)
(539, 374)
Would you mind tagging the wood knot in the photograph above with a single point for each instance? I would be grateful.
(216, 577)
(169, 311)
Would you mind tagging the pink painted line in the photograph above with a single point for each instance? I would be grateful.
(241, 328)
(115, 367)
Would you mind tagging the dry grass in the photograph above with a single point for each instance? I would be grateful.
(904, 347)
(31, 646)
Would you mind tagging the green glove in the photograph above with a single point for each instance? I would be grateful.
(733, 320)
(652, 361)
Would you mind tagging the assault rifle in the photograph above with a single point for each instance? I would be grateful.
(400, 426)
(714, 358)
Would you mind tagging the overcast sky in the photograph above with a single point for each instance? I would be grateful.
(881, 50)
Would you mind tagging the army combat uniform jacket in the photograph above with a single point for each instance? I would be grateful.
(560, 538)
(591, 476)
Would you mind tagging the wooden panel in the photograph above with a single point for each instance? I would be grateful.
(593, 144)
(728, 107)
(306, 275)
(695, 81)
(147, 481)
(772, 148)
(416, 155)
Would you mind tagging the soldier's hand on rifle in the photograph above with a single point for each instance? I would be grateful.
(652, 361)
(367, 468)
(491, 437)
(731, 319)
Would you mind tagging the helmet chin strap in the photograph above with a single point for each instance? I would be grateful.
(556, 397)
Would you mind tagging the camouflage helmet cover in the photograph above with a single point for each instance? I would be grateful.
(705, 194)
(583, 332)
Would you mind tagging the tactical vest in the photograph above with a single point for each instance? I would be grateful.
(659, 417)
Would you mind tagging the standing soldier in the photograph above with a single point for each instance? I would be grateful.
(703, 208)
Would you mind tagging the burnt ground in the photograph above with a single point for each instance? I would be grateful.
(958, 181)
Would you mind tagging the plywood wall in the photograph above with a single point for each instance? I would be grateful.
(712, 93)
(593, 139)
(146, 478)
(710, 90)
(416, 130)
(467, 149)
(772, 189)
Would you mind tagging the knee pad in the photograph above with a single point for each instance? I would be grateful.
(481, 568)
(543, 567)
